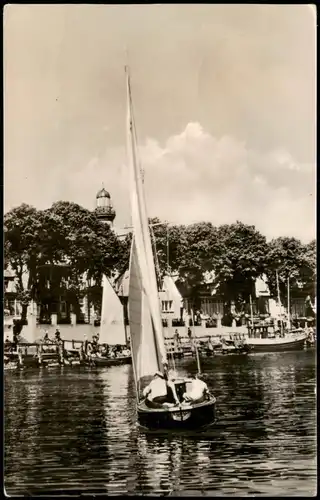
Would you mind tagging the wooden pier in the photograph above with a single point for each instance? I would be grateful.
(78, 352)
(44, 354)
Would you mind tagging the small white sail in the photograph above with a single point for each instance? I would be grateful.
(29, 331)
(112, 329)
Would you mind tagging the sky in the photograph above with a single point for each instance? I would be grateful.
(224, 100)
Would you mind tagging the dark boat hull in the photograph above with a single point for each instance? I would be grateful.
(125, 360)
(183, 418)
(278, 347)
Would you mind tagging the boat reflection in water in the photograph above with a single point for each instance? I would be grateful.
(77, 432)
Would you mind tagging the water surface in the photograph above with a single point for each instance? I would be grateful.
(74, 431)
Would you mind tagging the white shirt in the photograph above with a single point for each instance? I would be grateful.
(196, 389)
(157, 387)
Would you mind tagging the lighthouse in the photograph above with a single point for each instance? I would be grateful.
(104, 208)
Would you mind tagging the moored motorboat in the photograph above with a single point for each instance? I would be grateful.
(289, 341)
(264, 337)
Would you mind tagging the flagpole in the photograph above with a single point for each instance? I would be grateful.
(251, 312)
(195, 344)
(279, 302)
(289, 314)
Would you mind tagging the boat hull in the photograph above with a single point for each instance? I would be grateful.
(126, 360)
(183, 418)
(276, 345)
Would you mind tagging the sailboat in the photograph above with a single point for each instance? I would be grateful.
(263, 341)
(146, 335)
(112, 327)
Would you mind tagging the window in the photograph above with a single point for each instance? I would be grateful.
(167, 306)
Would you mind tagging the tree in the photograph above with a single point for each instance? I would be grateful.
(291, 259)
(87, 244)
(65, 235)
(241, 259)
(284, 259)
(22, 249)
(197, 251)
(308, 268)
(169, 240)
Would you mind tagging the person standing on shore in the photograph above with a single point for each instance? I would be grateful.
(176, 337)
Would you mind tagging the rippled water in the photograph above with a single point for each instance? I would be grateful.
(74, 431)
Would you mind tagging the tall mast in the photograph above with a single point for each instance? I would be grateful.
(251, 312)
(279, 301)
(168, 264)
(289, 314)
(195, 344)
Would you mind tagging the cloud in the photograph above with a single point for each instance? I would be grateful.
(227, 99)
(194, 176)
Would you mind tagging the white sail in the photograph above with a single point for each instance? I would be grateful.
(142, 261)
(143, 342)
(29, 331)
(112, 329)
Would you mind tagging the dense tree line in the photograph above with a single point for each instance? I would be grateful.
(65, 234)
(234, 254)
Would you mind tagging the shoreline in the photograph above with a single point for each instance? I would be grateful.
(82, 332)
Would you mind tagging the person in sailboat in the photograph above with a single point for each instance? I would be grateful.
(125, 352)
(160, 391)
(105, 350)
(197, 390)
(95, 346)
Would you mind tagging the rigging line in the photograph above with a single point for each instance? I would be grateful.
(168, 262)
(141, 209)
(158, 273)
(141, 202)
(135, 134)
(195, 344)
(173, 362)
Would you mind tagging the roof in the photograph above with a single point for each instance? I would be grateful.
(103, 194)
